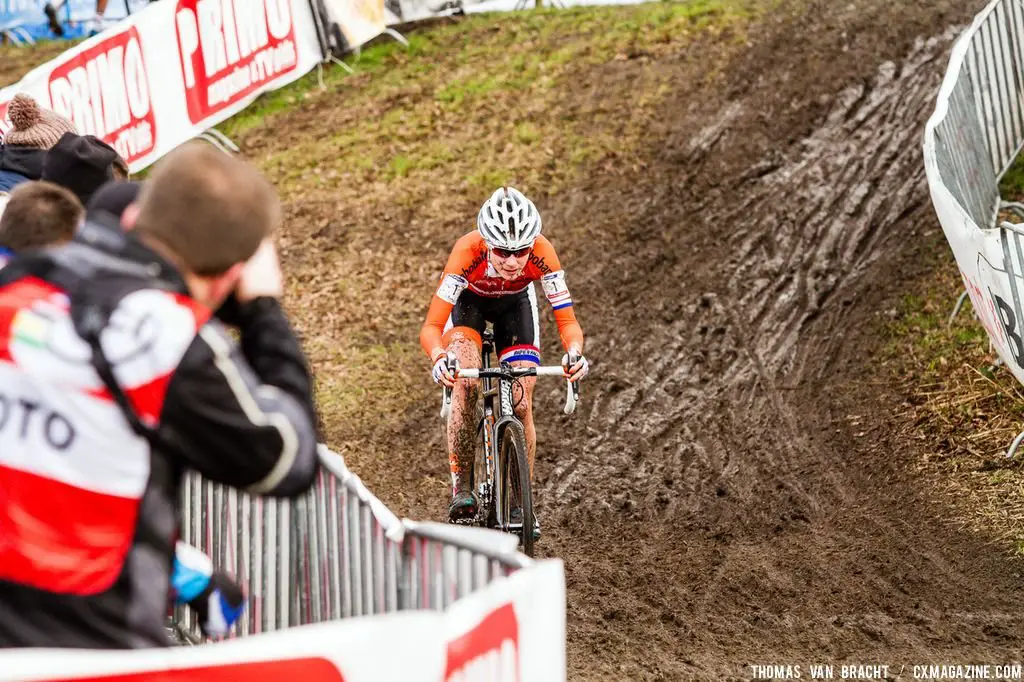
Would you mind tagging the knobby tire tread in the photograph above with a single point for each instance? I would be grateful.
(513, 461)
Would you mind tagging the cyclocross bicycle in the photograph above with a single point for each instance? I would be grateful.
(501, 470)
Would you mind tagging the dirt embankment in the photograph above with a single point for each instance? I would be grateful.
(732, 490)
(732, 495)
(729, 492)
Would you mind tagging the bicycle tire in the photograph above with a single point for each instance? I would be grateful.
(515, 471)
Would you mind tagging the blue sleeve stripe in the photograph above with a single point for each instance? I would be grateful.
(564, 305)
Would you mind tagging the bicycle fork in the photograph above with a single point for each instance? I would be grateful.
(486, 486)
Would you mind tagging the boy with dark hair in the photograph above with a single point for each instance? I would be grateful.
(39, 214)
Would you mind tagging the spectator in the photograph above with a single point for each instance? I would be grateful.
(83, 164)
(129, 384)
(43, 214)
(39, 214)
(113, 199)
(93, 26)
(25, 145)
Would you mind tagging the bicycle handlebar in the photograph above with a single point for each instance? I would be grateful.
(510, 372)
(572, 389)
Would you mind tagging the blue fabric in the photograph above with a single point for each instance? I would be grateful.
(9, 180)
(29, 16)
(188, 581)
(230, 613)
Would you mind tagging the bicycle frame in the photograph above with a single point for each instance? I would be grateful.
(498, 408)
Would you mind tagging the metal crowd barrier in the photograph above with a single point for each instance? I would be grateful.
(970, 142)
(336, 552)
(983, 130)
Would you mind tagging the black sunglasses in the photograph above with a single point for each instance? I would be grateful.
(505, 253)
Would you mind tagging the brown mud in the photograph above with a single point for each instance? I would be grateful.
(732, 490)
(729, 492)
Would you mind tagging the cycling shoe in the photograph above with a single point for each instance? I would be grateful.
(463, 506)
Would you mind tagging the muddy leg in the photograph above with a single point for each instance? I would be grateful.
(524, 410)
(462, 420)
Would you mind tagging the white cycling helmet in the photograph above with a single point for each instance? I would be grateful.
(508, 220)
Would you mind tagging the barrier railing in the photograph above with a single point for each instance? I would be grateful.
(336, 552)
(971, 140)
(981, 132)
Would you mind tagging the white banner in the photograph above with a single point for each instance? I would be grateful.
(174, 70)
(990, 259)
(360, 20)
(980, 258)
(401, 646)
(513, 630)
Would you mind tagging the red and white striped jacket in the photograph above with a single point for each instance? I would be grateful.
(88, 506)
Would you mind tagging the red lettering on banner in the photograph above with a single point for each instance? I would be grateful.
(304, 669)
(985, 308)
(105, 91)
(231, 48)
(490, 651)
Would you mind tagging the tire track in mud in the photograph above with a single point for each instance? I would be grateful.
(728, 492)
(822, 215)
(713, 503)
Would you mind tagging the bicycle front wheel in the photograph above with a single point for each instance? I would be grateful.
(515, 483)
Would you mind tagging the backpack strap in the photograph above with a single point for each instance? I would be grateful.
(90, 317)
(97, 277)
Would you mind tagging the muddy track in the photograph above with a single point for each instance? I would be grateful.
(728, 494)
(730, 491)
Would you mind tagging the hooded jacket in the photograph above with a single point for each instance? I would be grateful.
(19, 164)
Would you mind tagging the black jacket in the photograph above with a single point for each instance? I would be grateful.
(17, 160)
(239, 414)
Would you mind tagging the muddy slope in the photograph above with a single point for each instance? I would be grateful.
(731, 496)
(729, 492)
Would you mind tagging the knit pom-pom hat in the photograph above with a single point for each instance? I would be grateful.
(35, 126)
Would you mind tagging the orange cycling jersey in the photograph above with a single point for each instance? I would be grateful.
(469, 268)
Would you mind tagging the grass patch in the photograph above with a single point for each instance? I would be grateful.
(481, 84)
(965, 410)
(15, 62)
(1012, 182)
(361, 378)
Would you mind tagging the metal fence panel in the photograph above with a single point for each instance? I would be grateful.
(336, 552)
